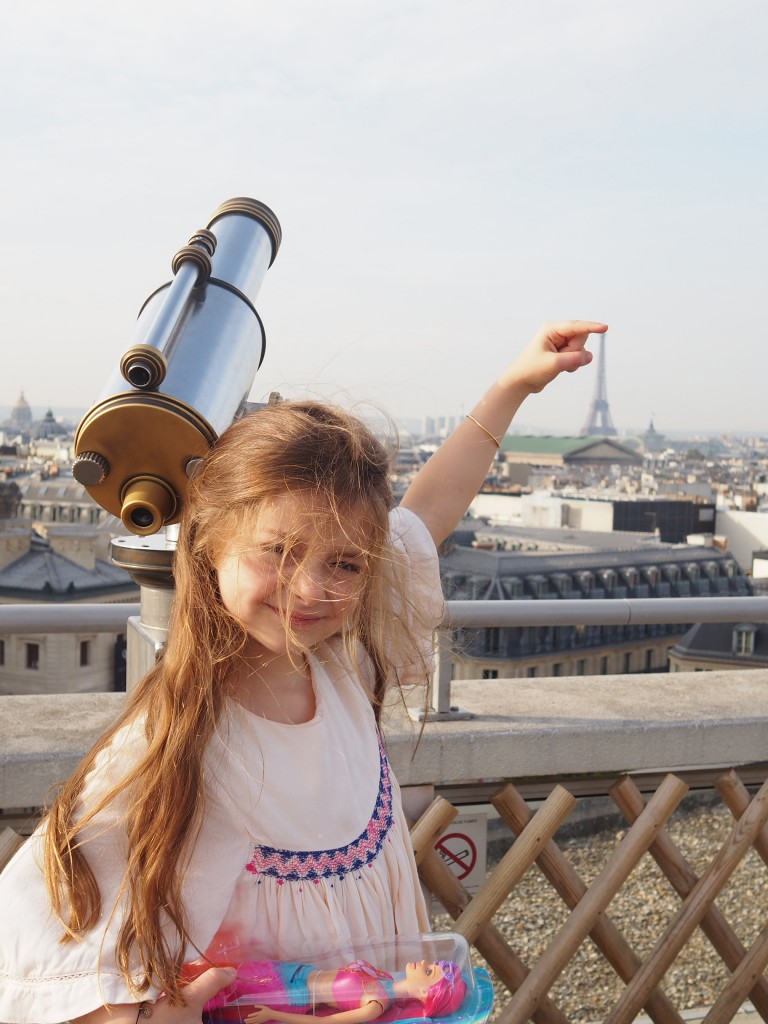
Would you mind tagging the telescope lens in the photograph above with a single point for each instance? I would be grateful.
(139, 375)
(142, 518)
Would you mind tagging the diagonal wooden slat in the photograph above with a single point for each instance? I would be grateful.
(583, 918)
(10, 842)
(430, 826)
(693, 910)
(730, 1000)
(564, 878)
(515, 863)
(736, 796)
(683, 879)
(443, 884)
(490, 943)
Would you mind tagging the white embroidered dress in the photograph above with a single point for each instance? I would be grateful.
(304, 846)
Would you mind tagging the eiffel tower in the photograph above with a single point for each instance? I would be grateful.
(599, 422)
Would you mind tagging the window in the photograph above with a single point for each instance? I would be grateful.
(490, 673)
(2, 652)
(492, 640)
(628, 661)
(557, 668)
(744, 639)
(648, 660)
(581, 667)
(33, 656)
(85, 653)
(608, 576)
(604, 666)
(531, 672)
(630, 575)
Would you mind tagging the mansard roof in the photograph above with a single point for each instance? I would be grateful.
(45, 575)
(524, 563)
(715, 640)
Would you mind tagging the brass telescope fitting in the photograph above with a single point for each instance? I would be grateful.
(147, 503)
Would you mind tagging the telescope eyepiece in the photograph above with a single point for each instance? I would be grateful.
(144, 367)
(147, 505)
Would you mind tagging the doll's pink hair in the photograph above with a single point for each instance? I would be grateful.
(445, 996)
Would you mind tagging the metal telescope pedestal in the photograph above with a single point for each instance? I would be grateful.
(149, 561)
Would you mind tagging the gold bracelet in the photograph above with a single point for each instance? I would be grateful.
(485, 430)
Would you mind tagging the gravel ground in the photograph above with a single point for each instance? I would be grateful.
(586, 991)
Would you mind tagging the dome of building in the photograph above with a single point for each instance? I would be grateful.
(21, 414)
(47, 429)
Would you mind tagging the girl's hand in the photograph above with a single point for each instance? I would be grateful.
(196, 995)
(557, 348)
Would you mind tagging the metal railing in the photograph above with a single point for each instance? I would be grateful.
(109, 618)
(599, 612)
(69, 618)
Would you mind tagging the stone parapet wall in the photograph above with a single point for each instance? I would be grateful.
(521, 729)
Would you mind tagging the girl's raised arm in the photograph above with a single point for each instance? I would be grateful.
(443, 489)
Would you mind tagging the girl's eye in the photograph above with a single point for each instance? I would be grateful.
(348, 567)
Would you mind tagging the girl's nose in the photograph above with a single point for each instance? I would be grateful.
(307, 583)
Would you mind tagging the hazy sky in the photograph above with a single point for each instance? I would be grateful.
(448, 175)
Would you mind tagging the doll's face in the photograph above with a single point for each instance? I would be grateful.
(420, 976)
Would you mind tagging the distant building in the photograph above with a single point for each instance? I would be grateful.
(653, 441)
(20, 420)
(672, 519)
(713, 646)
(58, 565)
(59, 499)
(48, 428)
(495, 564)
(533, 450)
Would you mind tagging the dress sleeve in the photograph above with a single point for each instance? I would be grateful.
(44, 980)
(418, 597)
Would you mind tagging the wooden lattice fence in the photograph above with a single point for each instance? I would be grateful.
(642, 977)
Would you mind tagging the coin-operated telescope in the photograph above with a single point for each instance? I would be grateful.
(196, 349)
(197, 346)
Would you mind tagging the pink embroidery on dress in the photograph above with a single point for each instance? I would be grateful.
(301, 865)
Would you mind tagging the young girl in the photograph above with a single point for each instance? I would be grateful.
(245, 789)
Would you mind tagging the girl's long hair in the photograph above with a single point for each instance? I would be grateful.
(289, 447)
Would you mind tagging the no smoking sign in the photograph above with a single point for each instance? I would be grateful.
(459, 853)
(463, 848)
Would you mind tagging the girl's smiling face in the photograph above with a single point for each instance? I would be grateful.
(300, 576)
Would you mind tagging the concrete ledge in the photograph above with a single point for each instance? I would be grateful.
(527, 728)
(523, 729)
(44, 737)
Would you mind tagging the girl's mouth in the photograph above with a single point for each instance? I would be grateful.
(296, 621)
(302, 621)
